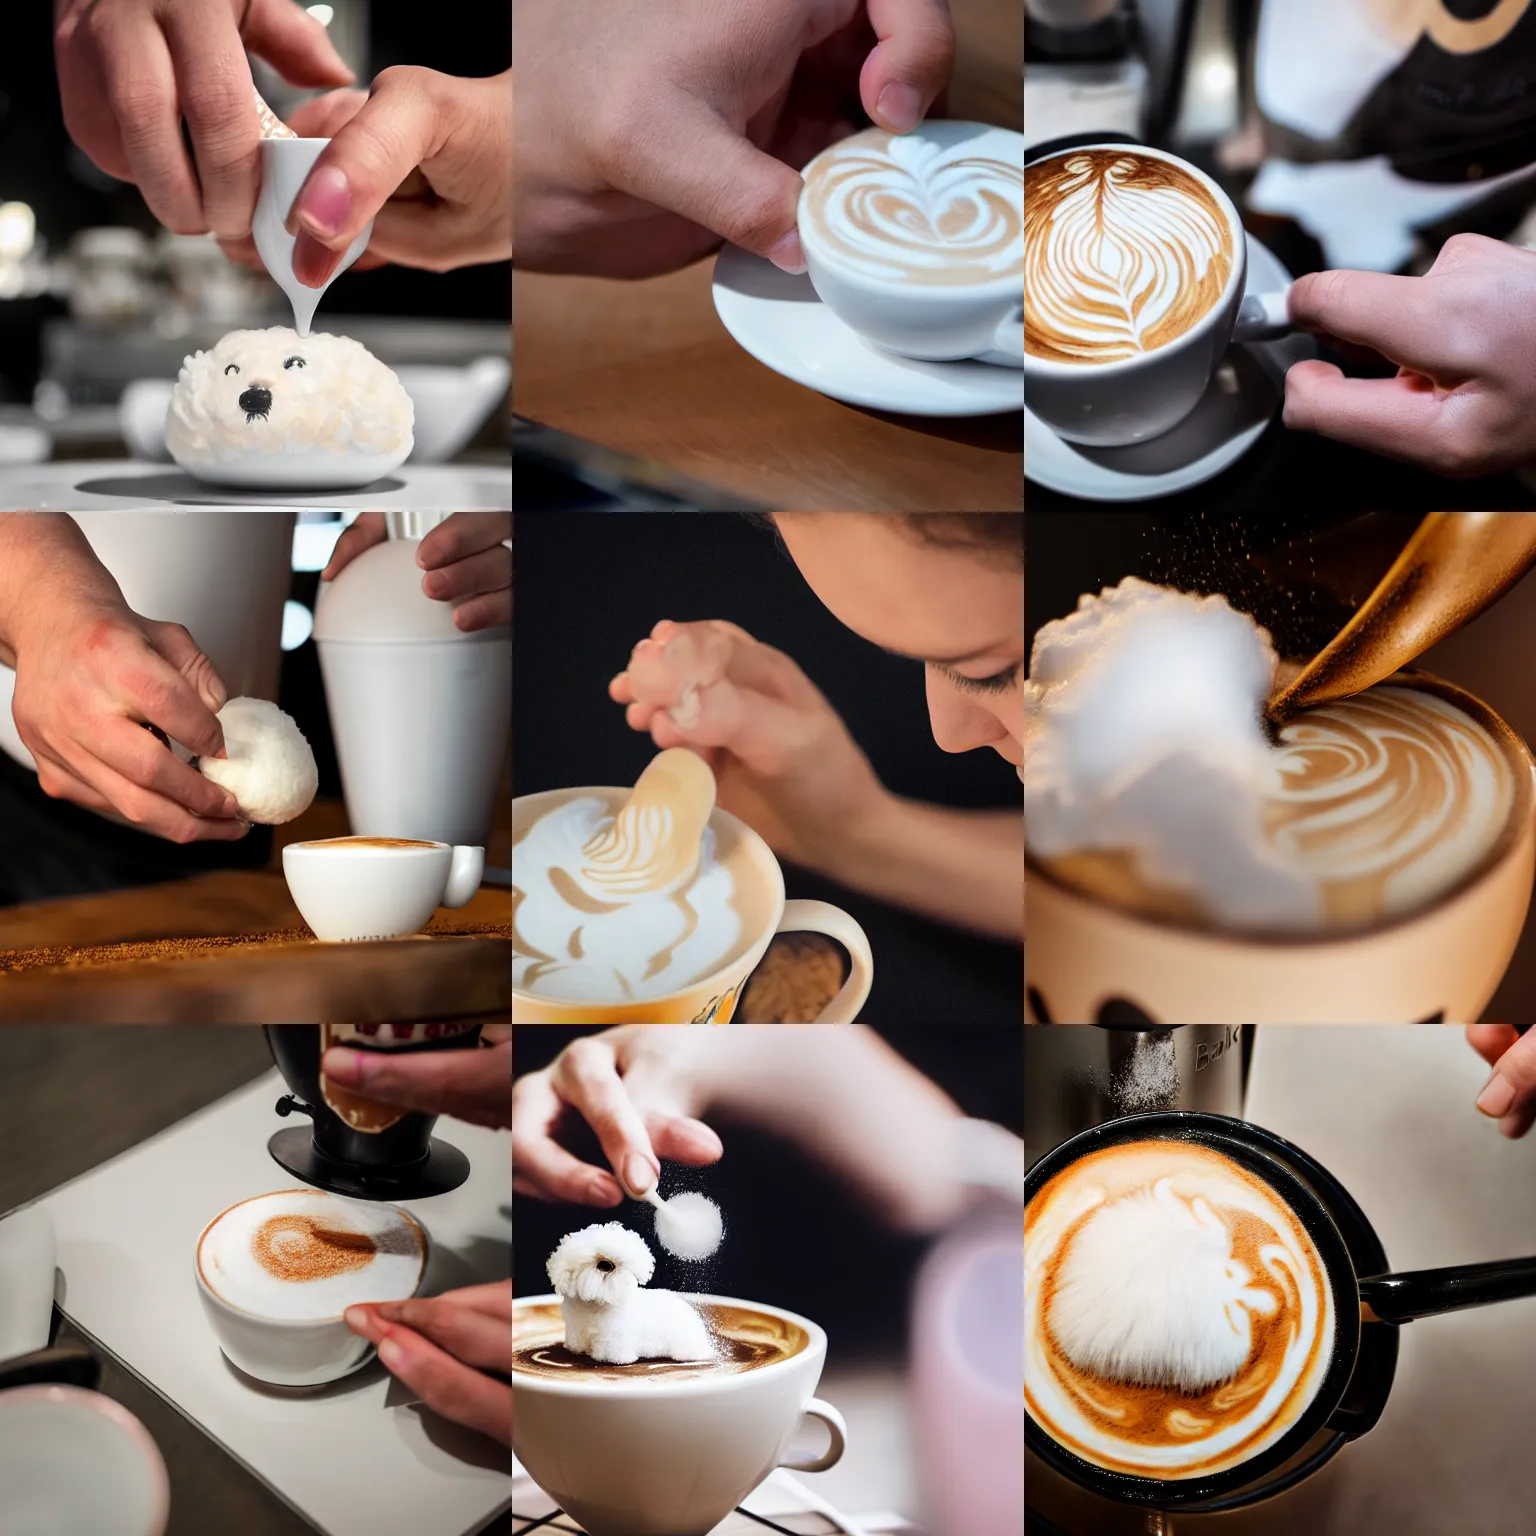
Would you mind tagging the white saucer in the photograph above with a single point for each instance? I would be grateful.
(1229, 420)
(781, 322)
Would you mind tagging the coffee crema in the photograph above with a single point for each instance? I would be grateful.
(901, 208)
(744, 1340)
(1123, 253)
(368, 842)
(585, 931)
(309, 1255)
(1251, 1268)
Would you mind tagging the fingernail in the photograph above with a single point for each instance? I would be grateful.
(432, 583)
(343, 1066)
(231, 806)
(1497, 1097)
(787, 255)
(638, 1174)
(314, 264)
(326, 201)
(391, 1354)
(900, 106)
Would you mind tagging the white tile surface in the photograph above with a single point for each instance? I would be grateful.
(356, 1458)
(1390, 1112)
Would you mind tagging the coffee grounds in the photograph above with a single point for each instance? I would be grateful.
(294, 1247)
(71, 957)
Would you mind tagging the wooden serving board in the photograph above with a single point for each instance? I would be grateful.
(229, 948)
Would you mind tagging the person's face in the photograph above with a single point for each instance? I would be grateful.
(960, 616)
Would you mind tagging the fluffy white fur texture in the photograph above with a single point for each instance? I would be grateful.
(327, 392)
(598, 1273)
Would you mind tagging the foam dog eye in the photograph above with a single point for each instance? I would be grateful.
(294, 362)
(233, 368)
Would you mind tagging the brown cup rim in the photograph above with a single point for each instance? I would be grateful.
(1509, 840)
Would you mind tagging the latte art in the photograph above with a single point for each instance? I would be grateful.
(1178, 1317)
(593, 921)
(907, 209)
(1123, 253)
(305, 1254)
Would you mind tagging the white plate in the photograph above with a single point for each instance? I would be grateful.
(781, 322)
(1229, 420)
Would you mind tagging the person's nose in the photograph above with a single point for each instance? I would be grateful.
(960, 724)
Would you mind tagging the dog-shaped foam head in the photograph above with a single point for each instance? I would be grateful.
(273, 392)
(605, 1264)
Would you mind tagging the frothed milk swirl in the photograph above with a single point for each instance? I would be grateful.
(595, 917)
(906, 208)
(1123, 254)
(1256, 1275)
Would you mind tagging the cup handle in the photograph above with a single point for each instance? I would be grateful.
(836, 1430)
(823, 917)
(1007, 349)
(1264, 317)
(463, 875)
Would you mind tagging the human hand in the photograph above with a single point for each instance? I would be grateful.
(441, 1347)
(131, 70)
(1509, 1095)
(465, 559)
(1464, 336)
(469, 1085)
(783, 759)
(639, 1088)
(647, 134)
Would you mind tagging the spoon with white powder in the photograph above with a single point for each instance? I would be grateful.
(689, 1226)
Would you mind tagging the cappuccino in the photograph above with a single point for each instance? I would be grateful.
(1123, 253)
(1179, 1319)
(744, 1340)
(304, 1255)
(369, 842)
(599, 916)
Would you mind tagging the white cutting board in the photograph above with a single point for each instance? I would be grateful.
(355, 1458)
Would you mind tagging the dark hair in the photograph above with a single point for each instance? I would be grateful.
(996, 537)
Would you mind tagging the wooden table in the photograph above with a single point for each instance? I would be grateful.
(648, 369)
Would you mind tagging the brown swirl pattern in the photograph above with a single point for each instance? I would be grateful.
(897, 208)
(1123, 253)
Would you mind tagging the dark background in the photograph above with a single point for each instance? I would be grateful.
(589, 586)
(794, 1238)
(40, 165)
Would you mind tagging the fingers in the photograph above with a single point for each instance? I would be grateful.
(681, 1139)
(369, 529)
(1403, 318)
(406, 116)
(140, 84)
(1405, 417)
(912, 63)
(469, 1334)
(131, 751)
(148, 811)
(470, 1085)
(541, 1166)
(322, 117)
(489, 610)
(489, 571)
(586, 1077)
(1490, 1041)
(680, 154)
(213, 82)
(457, 1391)
(462, 535)
(295, 45)
(494, 1298)
(173, 684)
(1509, 1096)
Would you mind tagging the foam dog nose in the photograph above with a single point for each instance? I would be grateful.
(257, 400)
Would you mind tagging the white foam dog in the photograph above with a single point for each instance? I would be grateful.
(598, 1273)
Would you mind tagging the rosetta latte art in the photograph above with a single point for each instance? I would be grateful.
(907, 210)
(1123, 253)
(1277, 1294)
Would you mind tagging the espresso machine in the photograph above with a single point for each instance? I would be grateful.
(354, 1145)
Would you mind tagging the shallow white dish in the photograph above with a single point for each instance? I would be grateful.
(319, 469)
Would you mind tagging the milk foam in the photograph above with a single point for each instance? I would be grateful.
(925, 207)
(1148, 776)
(1124, 254)
(327, 1233)
(571, 937)
(1147, 1300)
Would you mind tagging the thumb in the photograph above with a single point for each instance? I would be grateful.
(294, 44)
(911, 64)
(1513, 1081)
(690, 161)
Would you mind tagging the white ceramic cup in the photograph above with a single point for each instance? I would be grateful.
(668, 1458)
(1135, 398)
(285, 166)
(348, 892)
(286, 1351)
(931, 321)
(75, 1463)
